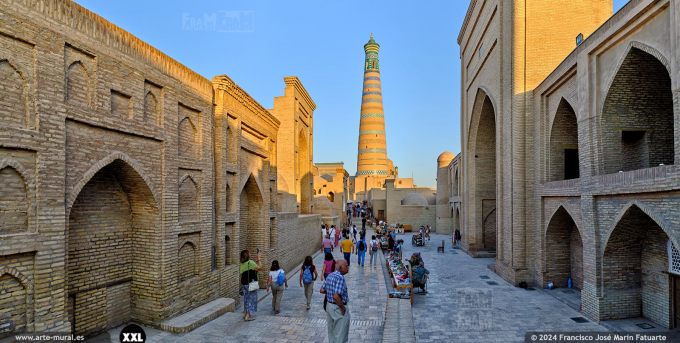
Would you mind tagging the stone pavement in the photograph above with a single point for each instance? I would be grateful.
(467, 302)
(368, 299)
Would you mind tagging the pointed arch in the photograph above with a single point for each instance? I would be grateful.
(78, 88)
(481, 162)
(648, 211)
(187, 138)
(634, 267)
(637, 115)
(14, 201)
(113, 156)
(564, 250)
(252, 215)
(14, 304)
(113, 217)
(563, 149)
(188, 200)
(150, 107)
(13, 95)
(186, 261)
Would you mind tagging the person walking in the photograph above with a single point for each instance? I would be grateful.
(373, 249)
(335, 234)
(328, 265)
(307, 277)
(362, 234)
(347, 247)
(249, 285)
(361, 251)
(327, 244)
(276, 281)
(354, 232)
(363, 222)
(336, 301)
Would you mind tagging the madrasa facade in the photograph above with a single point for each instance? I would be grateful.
(129, 183)
(570, 131)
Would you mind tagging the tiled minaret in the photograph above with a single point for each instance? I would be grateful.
(373, 166)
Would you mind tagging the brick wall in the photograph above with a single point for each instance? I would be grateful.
(634, 265)
(16, 301)
(294, 229)
(123, 177)
(563, 135)
(639, 99)
(564, 251)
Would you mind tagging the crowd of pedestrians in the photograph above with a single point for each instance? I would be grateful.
(349, 240)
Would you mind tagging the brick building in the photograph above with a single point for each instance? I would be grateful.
(128, 182)
(570, 134)
(331, 192)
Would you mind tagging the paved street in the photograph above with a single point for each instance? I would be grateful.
(467, 302)
(295, 324)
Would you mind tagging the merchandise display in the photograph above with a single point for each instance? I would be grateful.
(401, 277)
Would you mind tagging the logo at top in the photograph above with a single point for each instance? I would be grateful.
(132, 333)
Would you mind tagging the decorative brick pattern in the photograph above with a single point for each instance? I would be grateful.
(564, 251)
(609, 107)
(634, 265)
(13, 201)
(563, 135)
(114, 166)
(639, 101)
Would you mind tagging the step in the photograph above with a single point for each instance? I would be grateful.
(188, 321)
(485, 254)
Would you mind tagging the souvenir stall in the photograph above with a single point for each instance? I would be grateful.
(400, 275)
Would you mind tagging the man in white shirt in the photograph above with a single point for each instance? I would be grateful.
(324, 231)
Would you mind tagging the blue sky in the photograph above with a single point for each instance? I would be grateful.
(257, 43)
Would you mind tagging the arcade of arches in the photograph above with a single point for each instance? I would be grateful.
(130, 183)
(571, 163)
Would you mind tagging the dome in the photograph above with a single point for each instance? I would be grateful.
(445, 158)
(414, 199)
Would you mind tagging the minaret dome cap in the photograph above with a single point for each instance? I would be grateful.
(371, 41)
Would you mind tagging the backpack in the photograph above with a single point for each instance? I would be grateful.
(307, 276)
(374, 246)
(281, 278)
(361, 246)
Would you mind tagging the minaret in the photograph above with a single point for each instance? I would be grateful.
(373, 167)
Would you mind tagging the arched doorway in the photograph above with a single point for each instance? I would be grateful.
(637, 116)
(483, 173)
(564, 251)
(112, 267)
(564, 161)
(252, 218)
(634, 270)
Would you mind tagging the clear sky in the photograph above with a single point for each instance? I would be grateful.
(257, 43)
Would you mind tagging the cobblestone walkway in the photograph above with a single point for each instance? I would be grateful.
(367, 304)
(467, 302)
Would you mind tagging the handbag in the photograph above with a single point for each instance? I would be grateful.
(253, 286)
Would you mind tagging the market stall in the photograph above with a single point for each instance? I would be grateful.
(400, 275)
